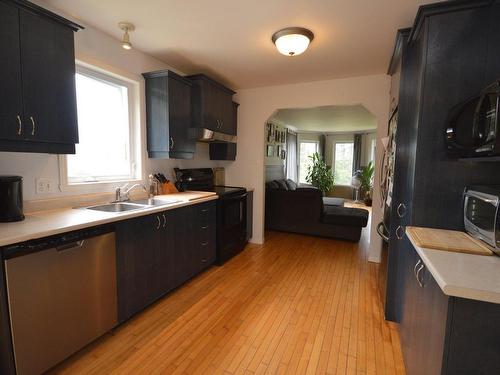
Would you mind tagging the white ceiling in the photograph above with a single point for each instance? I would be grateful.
(328, 119)
(231, 39)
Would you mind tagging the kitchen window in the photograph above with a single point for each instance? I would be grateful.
(342, 167)
(109, 140)
(306, 150)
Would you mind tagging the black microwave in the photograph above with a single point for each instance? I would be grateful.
(473, 128)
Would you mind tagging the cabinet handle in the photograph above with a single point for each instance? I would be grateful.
(203, 261)
(164, 220)
(420, 283)
(159, 223)
(401, 210)
(33, 125)
(204, 243)
(172, 143)
(400, 232)
(19, 125)
(221, 124)
(415, 268)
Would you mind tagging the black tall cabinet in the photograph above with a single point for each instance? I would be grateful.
(451, 54)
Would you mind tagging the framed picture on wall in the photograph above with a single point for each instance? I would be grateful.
(270, 151)
(278, 151)
(283, 154)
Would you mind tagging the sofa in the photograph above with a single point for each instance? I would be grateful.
(290, 208)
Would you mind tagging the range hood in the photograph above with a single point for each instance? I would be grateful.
(207, 135)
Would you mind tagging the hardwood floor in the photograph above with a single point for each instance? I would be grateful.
(297, 304)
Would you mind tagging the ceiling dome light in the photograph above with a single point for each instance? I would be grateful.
(126, 27)
(292, 41)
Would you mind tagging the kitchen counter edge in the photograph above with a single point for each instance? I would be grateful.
(462, 275)
(17, 232)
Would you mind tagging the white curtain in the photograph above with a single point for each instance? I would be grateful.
(291, 156)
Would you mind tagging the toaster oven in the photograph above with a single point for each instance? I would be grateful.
(481, 214)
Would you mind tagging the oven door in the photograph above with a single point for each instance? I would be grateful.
(231, 226)
(480, 212)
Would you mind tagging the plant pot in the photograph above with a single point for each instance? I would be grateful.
(368, 202)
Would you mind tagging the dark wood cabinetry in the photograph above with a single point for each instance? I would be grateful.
(450, 55)
(445, 335)
(168, 111)
(213, 106)
(159, 252)
(38, 80)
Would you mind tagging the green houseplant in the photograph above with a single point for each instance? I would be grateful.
(366, 178)
(319, 174)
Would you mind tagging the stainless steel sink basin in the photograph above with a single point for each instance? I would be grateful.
(155, 201)
(117, 207)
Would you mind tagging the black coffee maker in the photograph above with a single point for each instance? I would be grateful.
(11, 198)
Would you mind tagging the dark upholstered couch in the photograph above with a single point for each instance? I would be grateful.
(301, 210)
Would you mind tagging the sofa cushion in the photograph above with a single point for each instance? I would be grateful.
(291, 184)
(345, 216)
(282, 184)
(272, 185)
(331, 201)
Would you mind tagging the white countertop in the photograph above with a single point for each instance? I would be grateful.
(47, 223)
(463, 275)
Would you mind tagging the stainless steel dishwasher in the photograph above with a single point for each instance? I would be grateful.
(62, 295)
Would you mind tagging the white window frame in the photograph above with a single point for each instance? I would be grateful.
(298, 159)
(135, 136)
(334, 157)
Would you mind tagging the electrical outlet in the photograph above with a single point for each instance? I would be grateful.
(44, 185)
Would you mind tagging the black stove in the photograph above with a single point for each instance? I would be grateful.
(231, 209)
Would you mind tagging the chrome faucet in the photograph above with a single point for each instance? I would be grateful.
(122, 193)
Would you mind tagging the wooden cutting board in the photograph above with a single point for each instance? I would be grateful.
(447, 240)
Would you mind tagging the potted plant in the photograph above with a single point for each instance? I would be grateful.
(319, 174)
(366, 177)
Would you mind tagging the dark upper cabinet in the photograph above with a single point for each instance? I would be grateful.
(38, 80)
(212, 106)
(168, 111)
(48, 77)
(11, 112)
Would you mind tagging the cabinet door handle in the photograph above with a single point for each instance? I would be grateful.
(221, 124)
(33, 125)
(164, 220)
(204, 243)
(420, 282)
(415, 268)
(172, 143)
(401, 210)
(19, 125)
(159, 222)
(400, 232)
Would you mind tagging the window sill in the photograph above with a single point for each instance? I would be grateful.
(96, 187)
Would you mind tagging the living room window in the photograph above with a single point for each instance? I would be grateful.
(306, 150)
(108, 148)
(343, 160)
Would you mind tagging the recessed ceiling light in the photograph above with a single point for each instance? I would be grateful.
(126, 27)
(292, 41)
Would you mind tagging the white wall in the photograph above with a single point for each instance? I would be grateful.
(257, 105)
(101, 50)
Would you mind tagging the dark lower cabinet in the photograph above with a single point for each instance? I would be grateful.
(442, 334)
(159, 252)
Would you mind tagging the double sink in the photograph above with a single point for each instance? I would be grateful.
(140, 204)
